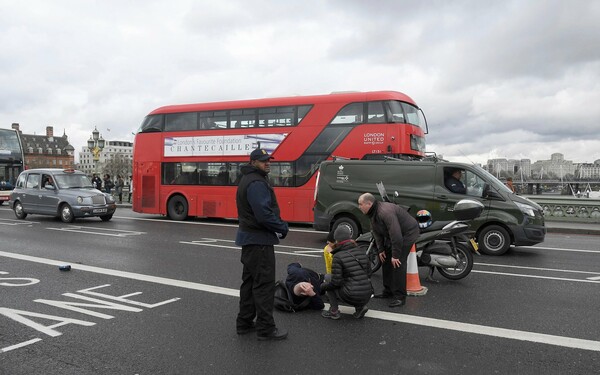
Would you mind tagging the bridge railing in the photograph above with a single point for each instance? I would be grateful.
(567, 208)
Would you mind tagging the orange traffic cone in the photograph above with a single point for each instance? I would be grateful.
(413, 284)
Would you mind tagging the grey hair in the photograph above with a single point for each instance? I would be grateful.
(367, 197)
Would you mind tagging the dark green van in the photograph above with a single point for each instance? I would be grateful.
(508, 218)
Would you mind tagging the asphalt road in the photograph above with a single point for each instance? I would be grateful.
(146, 295)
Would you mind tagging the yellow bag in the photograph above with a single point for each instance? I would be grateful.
(328, 259)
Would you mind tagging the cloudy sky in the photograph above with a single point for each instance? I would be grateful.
(513, 79)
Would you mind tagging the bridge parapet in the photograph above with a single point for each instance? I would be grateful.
(565, 208)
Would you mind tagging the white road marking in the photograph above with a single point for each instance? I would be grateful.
(588, 280)
(99, 231)
(533, 268)
(13, 222)
(563, 341)
(559, 249)
(212, 224)
(211, 243)
(305, 252)
(20, 345)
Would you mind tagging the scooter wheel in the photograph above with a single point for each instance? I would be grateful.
(464, 266)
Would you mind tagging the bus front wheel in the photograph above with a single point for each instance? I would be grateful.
(177, 208)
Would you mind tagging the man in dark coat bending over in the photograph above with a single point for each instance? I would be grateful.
(395, 232)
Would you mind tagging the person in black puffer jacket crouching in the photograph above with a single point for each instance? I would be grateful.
(350, 276)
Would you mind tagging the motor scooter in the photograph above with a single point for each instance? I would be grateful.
(445, 245)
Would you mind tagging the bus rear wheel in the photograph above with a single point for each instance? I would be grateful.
(177, 208)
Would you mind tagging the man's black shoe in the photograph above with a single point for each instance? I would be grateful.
(244, 330)
(277, 334)
(382, 295)
(397, 303)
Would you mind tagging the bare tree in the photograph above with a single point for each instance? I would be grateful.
(118, 164)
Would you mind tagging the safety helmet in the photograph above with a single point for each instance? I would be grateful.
(424, 218)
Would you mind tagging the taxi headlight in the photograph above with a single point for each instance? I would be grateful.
(109, 198)
(80, 200)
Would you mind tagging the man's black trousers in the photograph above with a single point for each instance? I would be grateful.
(258, 288)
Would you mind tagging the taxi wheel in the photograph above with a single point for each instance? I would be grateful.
(66, 214)
(19, 213)
(106, 217)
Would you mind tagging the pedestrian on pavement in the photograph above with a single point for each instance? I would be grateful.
(119, 187)
(509, 183)
(97, 182)
(304, 283)
(350, 276)
(260, 228)
(395, 232)
(108, 184)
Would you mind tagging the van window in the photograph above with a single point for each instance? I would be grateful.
(474, 184)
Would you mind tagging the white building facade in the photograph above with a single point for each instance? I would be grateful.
(115, 158)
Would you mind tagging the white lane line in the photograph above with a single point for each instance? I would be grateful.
(20, 345)
(99, 231)
(533, 268)
(125, 274)
(588, 280)
(209, 243)
(569, 342)
(304, 252)
(211, 224)
(308, 249)
(559, 249)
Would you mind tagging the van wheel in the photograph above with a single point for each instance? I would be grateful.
(347, 222)
(177, 208)
(494, 240)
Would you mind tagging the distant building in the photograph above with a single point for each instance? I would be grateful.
(115, 158)
(557, 167)
(509, 167)
(588, 170)
(46, 151)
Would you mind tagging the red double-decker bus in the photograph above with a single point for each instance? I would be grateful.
(187, 157)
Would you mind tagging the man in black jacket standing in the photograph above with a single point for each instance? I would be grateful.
(260, 228)
(395, 232)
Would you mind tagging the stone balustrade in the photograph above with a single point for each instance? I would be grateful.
(566, 208)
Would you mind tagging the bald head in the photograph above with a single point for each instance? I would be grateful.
(365, 202)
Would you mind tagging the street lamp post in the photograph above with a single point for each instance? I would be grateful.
(96, 144)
